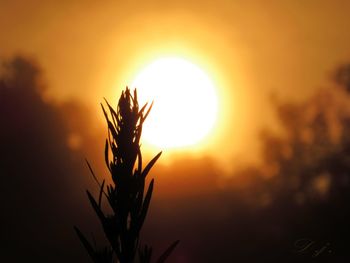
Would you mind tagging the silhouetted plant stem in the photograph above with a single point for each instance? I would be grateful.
(126, 195)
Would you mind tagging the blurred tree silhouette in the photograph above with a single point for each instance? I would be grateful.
(310, 179)
(312, 157)
(126, 195)
(301, 188)
(342, 76)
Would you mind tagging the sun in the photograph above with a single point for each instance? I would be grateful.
(185, 102)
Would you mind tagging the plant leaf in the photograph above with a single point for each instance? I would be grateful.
(86, 244)
(167, 252)
(113, 113)
(143, 107)
(145, 206)
(96, 208)
(100, 195)
(150, 165)
(139, 156)
(111, 127)
(92, 172)
(145, 254)
(107, 155)
(148, 111)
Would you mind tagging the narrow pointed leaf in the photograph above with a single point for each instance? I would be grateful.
(167, 252)
(139, 156)
(144, 107)
(145, 205)
(148, 111)
(94, 176)
(107, 155)
(150, 165)
(92, 172)
(112, 129)
(100, 195)
(134, 99)
(86, 244)
(96, 207)
(109, 123)
(104, 111)
(113, 113)
(145, 254)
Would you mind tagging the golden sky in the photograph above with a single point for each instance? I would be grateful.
(89, 50)
(254, 51)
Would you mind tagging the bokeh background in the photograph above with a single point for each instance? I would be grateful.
(273, 184)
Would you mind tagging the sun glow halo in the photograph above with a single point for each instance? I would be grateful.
(185, 103)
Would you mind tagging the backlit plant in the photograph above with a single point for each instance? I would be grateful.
(126, 195)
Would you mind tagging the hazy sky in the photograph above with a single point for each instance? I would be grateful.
(90, 50)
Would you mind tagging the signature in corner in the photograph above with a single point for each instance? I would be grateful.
(309, 246)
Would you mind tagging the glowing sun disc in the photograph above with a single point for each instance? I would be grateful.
(185, 102)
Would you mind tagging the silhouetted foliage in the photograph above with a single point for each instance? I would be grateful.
(37, 170)
(301, 188)
(342, 76)
(126, 196)
(311, 159)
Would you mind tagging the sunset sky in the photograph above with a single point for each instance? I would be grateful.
(254, 52)
(251, 50)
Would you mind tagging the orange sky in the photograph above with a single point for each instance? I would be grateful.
(252, 50)
(89, 50)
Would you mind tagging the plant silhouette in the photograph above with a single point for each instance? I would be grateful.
(126, 196)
